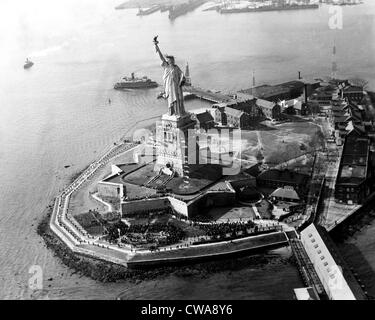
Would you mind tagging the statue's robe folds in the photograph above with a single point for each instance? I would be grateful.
(173, 81)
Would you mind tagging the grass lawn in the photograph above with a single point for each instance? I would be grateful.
(91, 223)
(142, 175)
(286, 141)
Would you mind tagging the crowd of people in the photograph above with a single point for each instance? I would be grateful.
(146, 233)
(223, 229)
(201, 218)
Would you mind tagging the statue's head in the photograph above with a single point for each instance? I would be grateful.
(170, 60)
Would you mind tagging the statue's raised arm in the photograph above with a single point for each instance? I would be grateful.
(156, 42)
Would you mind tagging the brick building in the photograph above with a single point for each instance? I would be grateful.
(354, 178)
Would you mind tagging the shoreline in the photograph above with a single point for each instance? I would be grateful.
(97, 267)
(67, 239)
(106, 271)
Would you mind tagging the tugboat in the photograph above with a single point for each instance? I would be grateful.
(28, 64)
(135, 83)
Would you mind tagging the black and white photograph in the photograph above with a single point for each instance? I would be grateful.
(187, 150)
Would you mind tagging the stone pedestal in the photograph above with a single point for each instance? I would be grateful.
(172, 142)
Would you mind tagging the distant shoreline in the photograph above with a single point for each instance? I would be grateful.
(135, 4)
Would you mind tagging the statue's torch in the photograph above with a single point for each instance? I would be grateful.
(156, 40)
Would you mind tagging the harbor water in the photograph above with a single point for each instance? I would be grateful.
(55, 117)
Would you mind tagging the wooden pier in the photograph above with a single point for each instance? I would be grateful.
(214, 97)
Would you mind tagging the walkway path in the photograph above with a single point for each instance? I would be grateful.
(71, 232)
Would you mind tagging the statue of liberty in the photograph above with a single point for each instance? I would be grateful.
(173, 79)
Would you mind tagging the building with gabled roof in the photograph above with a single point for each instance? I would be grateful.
(271, 110)
(203, 118)
(235, 118)
(353, 93)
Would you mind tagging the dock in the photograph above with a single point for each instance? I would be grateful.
(213, 97)
(226, 10)
(181, 9)
(323, 268)
(306, 267)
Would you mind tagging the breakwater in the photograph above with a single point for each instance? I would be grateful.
(215, 251)
(105, 271)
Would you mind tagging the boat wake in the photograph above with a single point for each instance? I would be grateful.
(49, 50)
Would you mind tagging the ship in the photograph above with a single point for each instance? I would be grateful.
(349, 2)
(133, 82)
(28, 64)
(144, 12)
(268, 8)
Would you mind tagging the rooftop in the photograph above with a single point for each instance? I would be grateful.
(271, 91)
(204, 117)
(306, 294)
(286, 193)
(340, 118)
(326, 257)
(265, 104)
(354, 162)
(286, 176)
(266, 91)
(241, 101)
(339, 107)
(356, 146)
(201, 177)
(353, 172)
(353, 89)
(233, 112)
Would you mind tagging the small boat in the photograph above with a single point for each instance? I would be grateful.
(28, 64)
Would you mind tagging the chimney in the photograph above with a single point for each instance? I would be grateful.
(299, 75)
(305, 86)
